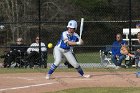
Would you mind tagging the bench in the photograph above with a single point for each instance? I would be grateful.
(134, 31)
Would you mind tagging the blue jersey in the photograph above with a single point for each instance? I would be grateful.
(116, 46)
(66, 36)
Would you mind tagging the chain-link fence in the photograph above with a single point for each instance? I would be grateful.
(48, 18)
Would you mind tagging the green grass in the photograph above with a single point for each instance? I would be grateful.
(100, 90)
(43, 70)
(88, 57)
(82, 57)
(22, 70)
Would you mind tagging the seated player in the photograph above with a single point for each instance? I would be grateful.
(16, 50)
(33, 54)
(117, 57)
(137, 49)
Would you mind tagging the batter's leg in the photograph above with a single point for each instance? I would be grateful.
(57, 58)
(72, 60)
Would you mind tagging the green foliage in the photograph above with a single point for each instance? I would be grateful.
(18, 11)
(90, 4)
(94, 8)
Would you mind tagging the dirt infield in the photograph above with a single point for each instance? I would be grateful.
(36, 82)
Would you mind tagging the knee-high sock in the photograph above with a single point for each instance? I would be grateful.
(80, 71)
(52, 69)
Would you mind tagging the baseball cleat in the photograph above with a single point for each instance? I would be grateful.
(47, 77)
(138, 74)
(86, 76)
(117, 67)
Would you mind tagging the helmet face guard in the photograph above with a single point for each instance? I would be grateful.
(72, 24)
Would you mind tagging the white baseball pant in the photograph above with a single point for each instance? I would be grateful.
(59, 52)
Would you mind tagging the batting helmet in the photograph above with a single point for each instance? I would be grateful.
(72, 24)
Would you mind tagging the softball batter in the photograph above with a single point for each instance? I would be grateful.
(63, 48)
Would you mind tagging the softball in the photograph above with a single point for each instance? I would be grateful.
(50, 45)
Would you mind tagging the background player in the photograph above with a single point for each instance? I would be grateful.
(117, 57)
(63, 48)
(33, 53)
(16, 50)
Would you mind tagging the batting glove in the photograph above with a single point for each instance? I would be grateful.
(80, 42)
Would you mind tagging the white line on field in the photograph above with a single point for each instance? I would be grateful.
(25, 78)
(36, 85)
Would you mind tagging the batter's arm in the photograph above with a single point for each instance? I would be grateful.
(80, 42)
(72, 43)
